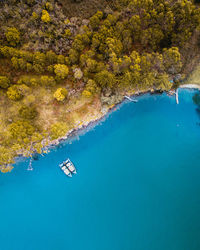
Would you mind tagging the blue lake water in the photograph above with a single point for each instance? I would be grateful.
(137, 187)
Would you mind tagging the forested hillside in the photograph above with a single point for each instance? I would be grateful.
(57, 70)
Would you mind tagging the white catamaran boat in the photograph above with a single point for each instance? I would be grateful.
(68, 168)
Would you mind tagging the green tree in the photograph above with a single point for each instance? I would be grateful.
(73, 56)
(68, 33)
(15, 62)
(28, 112)
(4, 82)
(39, 58)
(61, 71)
(48, 81)
(6, 158)
(12, 36)
(162, 82)
(51, 57)
(21, 131)
(14, 93)
(58, 129)
(92, 87)
(172, 60)
(60, 59)
(105, 79)
(95, 20)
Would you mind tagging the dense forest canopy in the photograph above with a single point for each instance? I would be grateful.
(54, 69)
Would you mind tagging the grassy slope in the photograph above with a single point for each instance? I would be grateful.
(74, 110)
(191, 59)
(194, 77)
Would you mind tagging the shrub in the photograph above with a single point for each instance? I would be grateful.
(4, 82)
(68, 33)
(14, 93)
(73, 56)
(48, 81)
(28, 112)
(35, 15)
(51, 57)
(21, 131)
(86, 93)
(61, 71)
(105, 79)
(12, 36)
(60, 59)
(45, 16)
(60, 94)
(78, 74)
(58, 129)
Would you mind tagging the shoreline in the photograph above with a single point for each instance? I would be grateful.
(106, 111)
(189, 86)
(85, 125)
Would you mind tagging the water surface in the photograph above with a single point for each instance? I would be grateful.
(137, 187)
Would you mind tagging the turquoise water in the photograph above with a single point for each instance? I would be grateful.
(137, 187)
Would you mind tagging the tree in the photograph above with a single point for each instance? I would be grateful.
(28, 112)
(34, 16)
(60, 94)
(95, 19)
(22, 63)
(45, 16)
(90, 89)
(21, 131)
(68, 33)
(105, 79)
(91, 65)
(39, 58)
(38, 68)
(49, 6)
(48, 81)
(86, 93)
(13, 36)
(73, 56)
(78, 43)
(4, 82)
(60, 59)
(135, 26)
(78, 74)
(15, 62)
(51, 57)
(14, 93)
(172, 60)
(162, 82)
(61, 71)
(58, 129)
(6, 158)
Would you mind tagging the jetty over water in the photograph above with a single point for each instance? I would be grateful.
(177, 101)
(130, 99)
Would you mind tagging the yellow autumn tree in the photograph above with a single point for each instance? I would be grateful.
(45, 16)
(61, 71)
(60, 94)
(12, 36)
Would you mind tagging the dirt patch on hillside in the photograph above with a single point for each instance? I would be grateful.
(83, 8)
